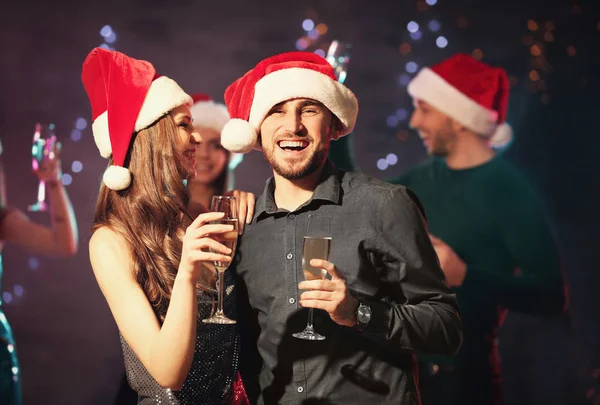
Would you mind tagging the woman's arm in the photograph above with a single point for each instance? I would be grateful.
(165, 350)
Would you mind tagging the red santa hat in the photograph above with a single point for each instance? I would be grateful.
(126, 96)
(274, 80)
(469, 91)
(207, 113)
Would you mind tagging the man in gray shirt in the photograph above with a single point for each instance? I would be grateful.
(385, 297)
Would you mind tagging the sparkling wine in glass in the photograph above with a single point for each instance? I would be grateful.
(228, 205)
(44, 147)
(317, 245)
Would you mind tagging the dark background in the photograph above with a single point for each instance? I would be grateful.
(67, 340)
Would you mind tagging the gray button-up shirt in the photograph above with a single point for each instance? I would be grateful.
(380, 245)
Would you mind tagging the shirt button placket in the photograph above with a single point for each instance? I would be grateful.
(293, 245)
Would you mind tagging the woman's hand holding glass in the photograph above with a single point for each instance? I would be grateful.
(246, 202)
(199, 246)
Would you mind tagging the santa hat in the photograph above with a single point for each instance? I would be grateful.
(274, 80)
(126, 96)
(469, 91)
(207, 113)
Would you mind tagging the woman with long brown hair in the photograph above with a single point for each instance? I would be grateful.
(148, 255)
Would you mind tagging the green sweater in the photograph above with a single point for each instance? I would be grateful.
(494, 221)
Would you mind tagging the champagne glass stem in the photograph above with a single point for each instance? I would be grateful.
(220, 296)
(42, 191)
(309, 324)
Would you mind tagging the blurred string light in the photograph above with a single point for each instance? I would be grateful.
(109, 36)
(419, 32)
(441, 42)
(382, 164)
(18, 290)
(76, 166)
(66, 179)
(412, 26)
(33, 263)
(7, 297)
(308, 24)
(75, 135)
(434, 26)
(390, 160)
(311, 40)
(411, 67)
(403, 79)
(538, 39)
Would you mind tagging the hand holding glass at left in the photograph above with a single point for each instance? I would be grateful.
(332, 296)
(45, 162)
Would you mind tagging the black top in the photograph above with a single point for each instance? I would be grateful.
(215, 365)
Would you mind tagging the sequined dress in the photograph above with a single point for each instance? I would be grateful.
(10, 382)
(213, 377)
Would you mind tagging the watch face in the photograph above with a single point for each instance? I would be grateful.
(364, 314)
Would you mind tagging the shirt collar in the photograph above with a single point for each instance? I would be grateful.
(328, 189)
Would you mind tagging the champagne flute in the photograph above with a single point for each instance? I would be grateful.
(228, 205)
(317, 244)
(338, 56)
(44, 148)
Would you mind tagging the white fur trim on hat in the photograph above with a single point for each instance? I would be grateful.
(163, 96)
(208, 114)
(100, 131)
(502, 136)
(286, 84)
(433, 89)
(238, 136)
(117, 177)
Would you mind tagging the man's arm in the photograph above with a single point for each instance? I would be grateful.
(538, 286)
(423, 314)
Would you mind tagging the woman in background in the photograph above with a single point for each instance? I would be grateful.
(59, 240)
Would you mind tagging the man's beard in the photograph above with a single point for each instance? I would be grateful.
(296, 172)
(440, 144)
(439, 148)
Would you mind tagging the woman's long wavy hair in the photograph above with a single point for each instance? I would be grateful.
(151, 213)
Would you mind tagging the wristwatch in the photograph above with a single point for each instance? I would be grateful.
(363, 316)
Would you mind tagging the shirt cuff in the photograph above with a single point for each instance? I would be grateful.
(380, 318)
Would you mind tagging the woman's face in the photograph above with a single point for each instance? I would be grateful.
(211, 157)
(188, 138)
